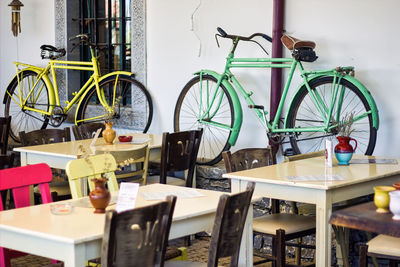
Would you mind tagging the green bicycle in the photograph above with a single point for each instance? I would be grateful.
(32, 98)
(210, 101)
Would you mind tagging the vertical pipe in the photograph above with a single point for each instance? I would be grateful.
(276, 73)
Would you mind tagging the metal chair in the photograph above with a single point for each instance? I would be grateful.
(281, 227)
(137, 237)
(87, 130)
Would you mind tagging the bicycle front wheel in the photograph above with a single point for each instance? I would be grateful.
(303, 113)
(193, 103)
(133, 110)
(23, 119)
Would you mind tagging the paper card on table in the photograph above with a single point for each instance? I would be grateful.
(161, 195)
(372, 161)
(127, 196)
(297, 178)
(95, 137)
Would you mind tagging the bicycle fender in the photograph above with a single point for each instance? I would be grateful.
(115, 73)
(237, 107)
(355, 82)
(46, 79)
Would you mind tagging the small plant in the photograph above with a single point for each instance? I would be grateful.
(345, 126)
(109, 113)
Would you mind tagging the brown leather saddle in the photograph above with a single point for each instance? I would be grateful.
(292, 43)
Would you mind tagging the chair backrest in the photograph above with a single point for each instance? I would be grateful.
(20, 178)
(248, 158)
(139, 157)
(179, 152)
(45, 136)
(137, 237)
(228, 226)
(4, 133)
(91, 167)
(87, 130)
(318, 153)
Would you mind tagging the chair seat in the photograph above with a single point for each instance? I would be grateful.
(184, 263)
(170, 180)
(291, 223)
(384, 244)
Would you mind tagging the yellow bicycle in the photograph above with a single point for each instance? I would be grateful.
(33, 101)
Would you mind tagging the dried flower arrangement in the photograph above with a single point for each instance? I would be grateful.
(110, 112)
(345, 125)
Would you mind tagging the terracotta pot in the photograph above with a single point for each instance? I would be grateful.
(99, 197)
(109, 133)
(343, 150)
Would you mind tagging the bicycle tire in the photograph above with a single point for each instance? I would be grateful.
(186, 117)
(25, 120)
(134, 111)
(302, 112)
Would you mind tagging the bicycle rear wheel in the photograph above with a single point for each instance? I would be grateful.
(133, 111)
(22, 119)
(303, 113)
(193, 103)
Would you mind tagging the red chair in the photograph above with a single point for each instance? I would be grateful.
(18, 181)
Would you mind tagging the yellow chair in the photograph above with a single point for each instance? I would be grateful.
(91, 167)
(137, 159)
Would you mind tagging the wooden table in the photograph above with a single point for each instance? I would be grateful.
(272, 182)
(365, 218)
(57, 155)
(77, 237)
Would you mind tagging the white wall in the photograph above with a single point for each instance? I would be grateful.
(359, 32)
(37, 28)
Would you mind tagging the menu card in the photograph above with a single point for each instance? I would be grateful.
(127, 196)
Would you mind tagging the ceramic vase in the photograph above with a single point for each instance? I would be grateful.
(381, 198)
(99, 197)
(109, 133)
(343, 150)
(394, 205)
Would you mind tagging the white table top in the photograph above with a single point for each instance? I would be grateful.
(351, 174)
(71, 149)
(82, 225)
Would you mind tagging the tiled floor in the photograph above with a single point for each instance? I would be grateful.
(198, 251)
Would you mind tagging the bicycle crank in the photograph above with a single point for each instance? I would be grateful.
(57, 117)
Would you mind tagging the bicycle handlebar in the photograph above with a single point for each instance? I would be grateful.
(83, 38)
(223, 34)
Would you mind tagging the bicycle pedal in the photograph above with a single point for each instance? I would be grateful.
(288, 152)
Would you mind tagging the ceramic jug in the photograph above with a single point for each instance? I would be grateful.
(343, 150)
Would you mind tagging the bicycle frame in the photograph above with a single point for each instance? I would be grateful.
(54, 98)
(233, 86)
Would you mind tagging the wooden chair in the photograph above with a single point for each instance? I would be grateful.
(87, 130)
(58, 187)
(137, 168)
(178, 153)
(45, 136)
(18, 180)
(4, 133)
(137, 237)
(381, 246)
(91, 167)
(228, 229)
(281, 227)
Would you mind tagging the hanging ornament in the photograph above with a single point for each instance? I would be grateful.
(15, 16)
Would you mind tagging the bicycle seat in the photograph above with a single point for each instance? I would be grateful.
(294, 43)
(51, 52)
